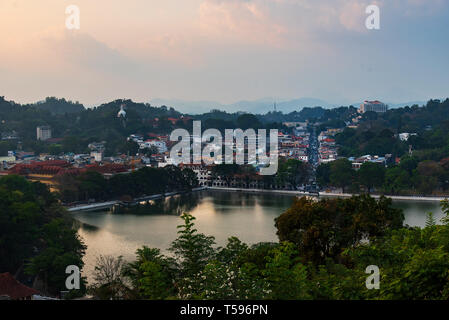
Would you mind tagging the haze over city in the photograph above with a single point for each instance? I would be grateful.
(224, 51)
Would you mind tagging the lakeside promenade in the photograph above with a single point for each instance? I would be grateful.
(109, 204)
(327, 194)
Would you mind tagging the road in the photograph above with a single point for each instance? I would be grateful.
(313, 149)
(313, 158)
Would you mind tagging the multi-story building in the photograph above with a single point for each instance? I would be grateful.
(375, 106)
(160, 145)
(97, 155)
(43, 133)
(357, 162)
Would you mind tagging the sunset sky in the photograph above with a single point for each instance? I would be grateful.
(224, 50)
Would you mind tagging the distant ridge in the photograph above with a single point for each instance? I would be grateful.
(255, 106)
(262, 106)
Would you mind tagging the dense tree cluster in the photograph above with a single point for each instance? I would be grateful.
(354, 142)
(409, 177)
(377, 132)
(36, 234)
(126, 186)
(291, 174)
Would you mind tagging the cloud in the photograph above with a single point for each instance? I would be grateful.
(82, 51)
(239, 20)
(281, 22)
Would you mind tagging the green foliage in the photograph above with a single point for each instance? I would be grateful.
(286, 276)
(323, 229)
(151, 275)
(414, 263)
(193, 250)
(63, 248)
(323, 173)
(36, 233)
(445, 207)
(430, 220)
(341, 173)
(247, 120)
(293, 173)
(375, 133)
(371, 175)
(93, 185)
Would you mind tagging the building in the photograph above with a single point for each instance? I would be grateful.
(43, 133)
(6, 161)
(10, 135)
(11, 289)
(97, 155)
(295, 124)
(203, 173)
(375, 106)
(97, 146)
(160, 145)
(358, 162)
(49, 172)
(405, 136)
(122, 112)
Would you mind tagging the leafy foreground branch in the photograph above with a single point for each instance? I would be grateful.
(323, 254)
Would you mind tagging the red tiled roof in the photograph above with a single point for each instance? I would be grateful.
(14, 289)
(373, 102)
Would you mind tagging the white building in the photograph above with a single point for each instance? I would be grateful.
(97, 155)
(122, 112)
(375, 106)
(405, 136)
(160, 145)
(43, 133)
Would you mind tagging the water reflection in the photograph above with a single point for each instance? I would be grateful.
(174, 205)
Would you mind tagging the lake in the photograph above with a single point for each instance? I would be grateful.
(221, 214)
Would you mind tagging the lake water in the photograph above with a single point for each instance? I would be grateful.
(221, 214)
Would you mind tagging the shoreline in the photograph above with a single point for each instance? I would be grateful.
(327, 194)
(109, 204)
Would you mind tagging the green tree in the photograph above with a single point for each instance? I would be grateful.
(36, 233)
(194, 250)
(293, 172)
(371, 175)
(286, 276)
(341, 173)
(246, 121)
(396, 180)
(323, 173)
(151, 275)
(323, 229)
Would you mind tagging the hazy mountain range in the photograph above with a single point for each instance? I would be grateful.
(259, 106)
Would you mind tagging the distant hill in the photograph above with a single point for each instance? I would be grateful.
(259, 106)
(58, 106)
(404, 104)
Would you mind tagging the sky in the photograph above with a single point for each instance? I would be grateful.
(224, 50)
